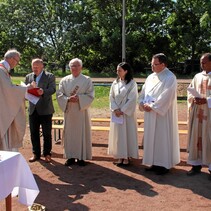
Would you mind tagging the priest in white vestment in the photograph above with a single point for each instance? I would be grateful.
(75, 95)
(158, 100)
(199, 124)
(123, 141)
(12, 112)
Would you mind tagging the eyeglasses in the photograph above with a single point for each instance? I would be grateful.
(155, 64)
(75, 66)
(17, 60)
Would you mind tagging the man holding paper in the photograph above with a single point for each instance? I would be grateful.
(40, 114)
(158, 100)
(199, 124)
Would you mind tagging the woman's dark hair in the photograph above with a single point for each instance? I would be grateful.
(129, 75)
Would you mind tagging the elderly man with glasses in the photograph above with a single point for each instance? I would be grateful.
(12, 99)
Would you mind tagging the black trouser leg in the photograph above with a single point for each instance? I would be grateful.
(34, 124)
(46, 122)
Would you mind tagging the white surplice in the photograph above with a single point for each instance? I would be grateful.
(77, 122)
(199, 122)
(123, 137)
(161, 139)
(12, 112)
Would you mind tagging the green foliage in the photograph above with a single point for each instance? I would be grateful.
(59, 30)
(186, 24)
(101, 95)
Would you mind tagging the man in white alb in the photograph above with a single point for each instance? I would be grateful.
(158, 100)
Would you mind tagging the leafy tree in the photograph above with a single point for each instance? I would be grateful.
(58, 30)
(188, 30)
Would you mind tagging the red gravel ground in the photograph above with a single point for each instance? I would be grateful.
(101, 186)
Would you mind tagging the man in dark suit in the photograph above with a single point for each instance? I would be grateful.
(41, 113)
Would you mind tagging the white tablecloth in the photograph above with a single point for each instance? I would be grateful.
(17, 178)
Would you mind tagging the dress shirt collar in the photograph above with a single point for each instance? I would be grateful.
(39, 76)
(6, 65)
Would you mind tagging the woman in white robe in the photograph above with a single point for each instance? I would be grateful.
(123, 143)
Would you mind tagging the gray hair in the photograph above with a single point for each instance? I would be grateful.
(11, 54)
(75, 60)
(37, 60)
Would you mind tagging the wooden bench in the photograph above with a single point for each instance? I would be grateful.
(57, 126)
(59, 118)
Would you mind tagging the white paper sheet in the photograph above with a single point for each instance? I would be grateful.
(33, 99)
(118, 120)
(209, 102)
(148, 99)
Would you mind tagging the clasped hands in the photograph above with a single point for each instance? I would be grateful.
(145, 106)
(118, 112)
(199, 101)
(73, 99)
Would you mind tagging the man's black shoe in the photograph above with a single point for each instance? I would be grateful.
(34, 158)
(81, 163)
(152, 168)
(194, 170)
(209, 177)
(69, 162)
(162, 170)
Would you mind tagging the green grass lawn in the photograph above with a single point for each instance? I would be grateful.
(101, 96)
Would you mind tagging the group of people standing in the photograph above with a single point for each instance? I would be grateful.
(158, 101)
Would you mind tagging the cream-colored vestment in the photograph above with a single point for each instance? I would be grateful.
(199, 123)
(12, 112)
(77, 123)
(123, 137)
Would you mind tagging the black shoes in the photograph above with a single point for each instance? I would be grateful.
(69, 162)
(122, 163)
(34, 158)
(159, 170)
(81, 163)
(197, 170)
(194, 170)
(72, 161)
(152, 168)
(162, 170)
(209, 177)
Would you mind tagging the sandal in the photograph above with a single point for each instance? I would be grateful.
(126, 162)
(118, 163)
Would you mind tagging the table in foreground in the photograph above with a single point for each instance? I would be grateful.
(16, 179)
